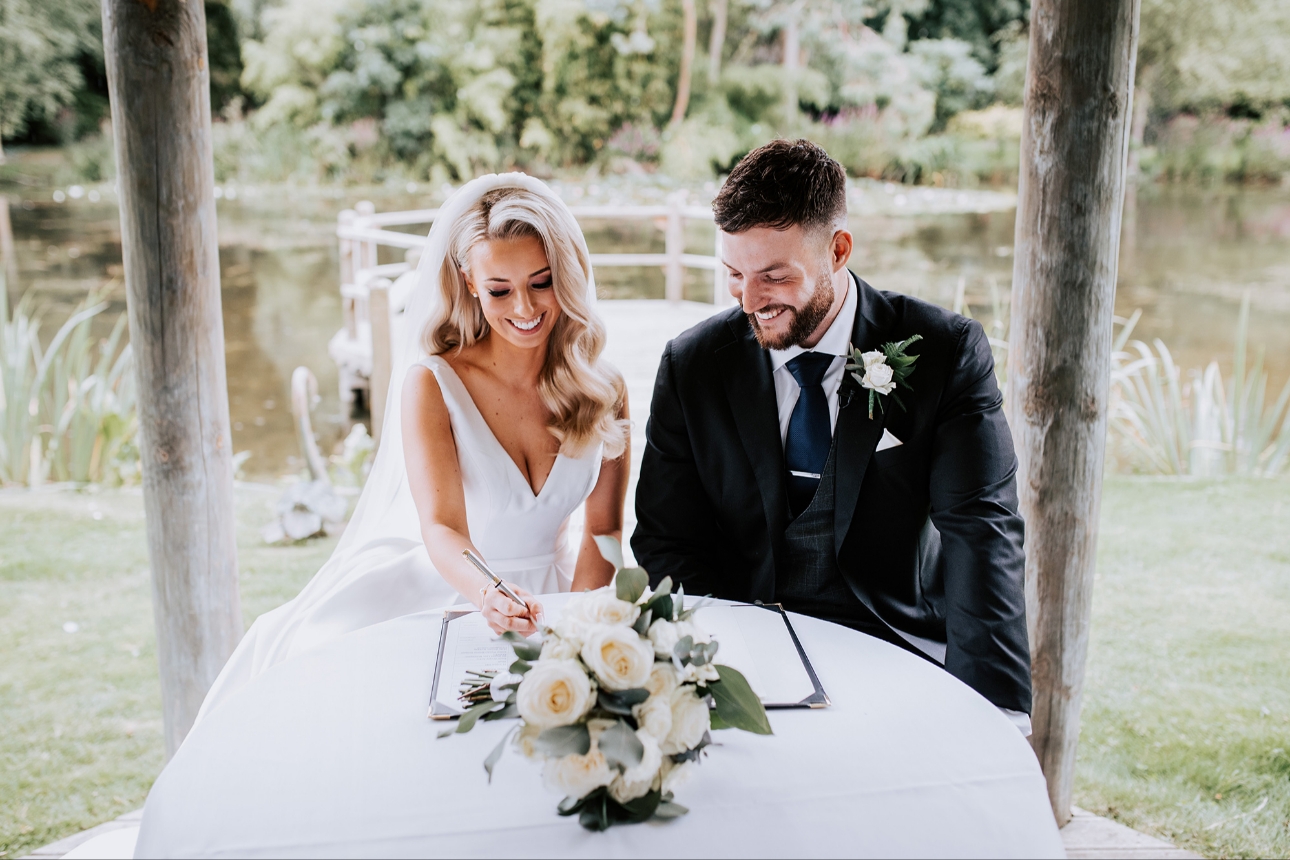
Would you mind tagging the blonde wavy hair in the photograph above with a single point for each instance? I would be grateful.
(583, 393)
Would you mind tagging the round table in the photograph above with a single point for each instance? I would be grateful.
(331, 754)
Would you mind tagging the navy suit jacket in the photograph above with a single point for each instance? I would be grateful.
(927, 534)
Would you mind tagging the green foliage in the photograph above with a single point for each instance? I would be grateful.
(1213, 147)
(67, 410)
(41, 44)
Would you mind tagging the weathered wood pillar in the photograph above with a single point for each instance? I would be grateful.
(1074, 144)
(158, 81)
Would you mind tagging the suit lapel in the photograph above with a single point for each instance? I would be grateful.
(856, 436)
(745, 367)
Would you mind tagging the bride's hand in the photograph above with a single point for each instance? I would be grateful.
(503, 614)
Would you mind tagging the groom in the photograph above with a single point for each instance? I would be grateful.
(765, 476)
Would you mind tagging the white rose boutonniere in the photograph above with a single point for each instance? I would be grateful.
(882, 371)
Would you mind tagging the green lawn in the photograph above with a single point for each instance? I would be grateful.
(81, 711)
(1186, 712)
(1186, 722)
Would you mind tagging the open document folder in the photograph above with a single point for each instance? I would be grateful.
(758, 640)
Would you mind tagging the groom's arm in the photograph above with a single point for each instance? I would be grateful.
(974, 507)
(676, 526)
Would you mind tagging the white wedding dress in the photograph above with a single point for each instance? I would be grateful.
(380, 570)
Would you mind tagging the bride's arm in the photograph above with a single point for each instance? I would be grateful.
(434, 478)
(604, 517)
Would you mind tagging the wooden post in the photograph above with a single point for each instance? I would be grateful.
(348, 264)
(8, 256)
(1074, 143)
(378, 309)
(720, 290)
(159, 85)
(674, 247)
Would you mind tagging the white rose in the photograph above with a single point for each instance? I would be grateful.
(880, 378)
(663, 636)
(654, 715)
(694, 674)
(693, 630)
(558, 648)
(872, 357)
(662, 681)
(638, 780)
(690, 720)
(585, 611)
(676, 776)
(554, 693)
(502, 679)
(577, 775)
(526, 739)
(620, 658)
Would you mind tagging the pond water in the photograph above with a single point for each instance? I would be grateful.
(1188, 257)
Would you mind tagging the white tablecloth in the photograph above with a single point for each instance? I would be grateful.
(331, 754)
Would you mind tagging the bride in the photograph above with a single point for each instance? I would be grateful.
(502, 421)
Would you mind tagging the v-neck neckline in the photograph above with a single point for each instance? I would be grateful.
(506, 455)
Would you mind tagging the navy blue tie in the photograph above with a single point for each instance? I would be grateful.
(806, 447)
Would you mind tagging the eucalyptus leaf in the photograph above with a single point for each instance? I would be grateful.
(620, 746)
(496, 754)
(670, 809)
(468, 719)
(621, 702)
(523, 648)
(640, 809)
(595, 812)
(507, 712)
(631, 584)
(519, 667)
(611, 549)
(564, 740)
(660, 606)
(681, 650)
(643, 622)
(737, 704)
(570, 805)
(664, 586)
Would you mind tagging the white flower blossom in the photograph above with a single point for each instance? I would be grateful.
(618, 656)
(578, 775)
(554, 693)
(637, 781)
(880, 378)
(690, 721)
(874, 356)
(502, 679)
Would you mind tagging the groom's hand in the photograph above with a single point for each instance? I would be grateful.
(503, 614)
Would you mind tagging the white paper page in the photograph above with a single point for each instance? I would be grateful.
(756, 642)
(470, 645)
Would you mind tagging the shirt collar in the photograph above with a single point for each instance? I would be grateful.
(836, 339)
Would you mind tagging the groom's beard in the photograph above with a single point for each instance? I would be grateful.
(805, 319)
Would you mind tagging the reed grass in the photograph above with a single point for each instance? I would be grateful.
(1164, 421)
(67, 409)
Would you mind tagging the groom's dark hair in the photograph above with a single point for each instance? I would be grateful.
(782, 184)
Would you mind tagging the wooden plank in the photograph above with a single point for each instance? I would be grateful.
(160, 95)
(1079, 85)
(674, 248)
(8, 256)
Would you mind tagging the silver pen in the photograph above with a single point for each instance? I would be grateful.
(496, 580)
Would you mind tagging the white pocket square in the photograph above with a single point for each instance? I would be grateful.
(887, 441)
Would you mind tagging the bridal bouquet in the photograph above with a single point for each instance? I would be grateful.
(617, 701)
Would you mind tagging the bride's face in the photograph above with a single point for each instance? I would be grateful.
(512, 280)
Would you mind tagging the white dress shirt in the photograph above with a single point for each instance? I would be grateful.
(835, 342)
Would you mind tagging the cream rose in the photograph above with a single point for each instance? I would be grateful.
(554, 693)
(874, 356)
(663, 636)
(695, 674)
(662, 681)
(654, 715)
(577, 775)
(690, 720)
(620, 658)
(880, 378)
(676, 776)
(694, 631)
(526, 739)
(557, 648)
(638, 780)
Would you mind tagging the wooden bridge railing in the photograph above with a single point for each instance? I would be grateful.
(362, 348)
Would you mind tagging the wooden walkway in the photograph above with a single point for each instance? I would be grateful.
(1086, 837)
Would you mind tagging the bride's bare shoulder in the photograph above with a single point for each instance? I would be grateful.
(421, 391)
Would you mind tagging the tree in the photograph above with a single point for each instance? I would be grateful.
(41, 44)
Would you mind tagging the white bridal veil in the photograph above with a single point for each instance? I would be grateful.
(383, 532)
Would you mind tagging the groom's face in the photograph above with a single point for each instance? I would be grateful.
(785, 280)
